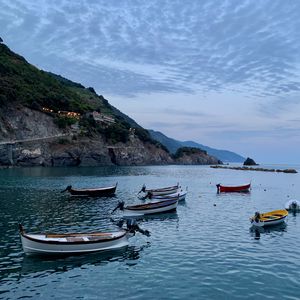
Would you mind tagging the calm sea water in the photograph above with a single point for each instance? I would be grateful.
(202, 251)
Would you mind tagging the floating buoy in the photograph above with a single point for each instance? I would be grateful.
(215, 204)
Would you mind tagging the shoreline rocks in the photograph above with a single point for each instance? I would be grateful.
(291, 171)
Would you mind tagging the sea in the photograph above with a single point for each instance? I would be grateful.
(206, 249)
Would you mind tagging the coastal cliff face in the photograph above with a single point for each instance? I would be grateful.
(48, 120)
(194, 156)
(197, 159)
(31, 138)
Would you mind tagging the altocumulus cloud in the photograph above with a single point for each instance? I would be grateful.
(171, 47)
(204, 45)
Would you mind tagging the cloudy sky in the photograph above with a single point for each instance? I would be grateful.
(222, 73)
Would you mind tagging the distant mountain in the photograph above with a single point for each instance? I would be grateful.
(173, 145)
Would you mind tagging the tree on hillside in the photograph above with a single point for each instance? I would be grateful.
(1, 41)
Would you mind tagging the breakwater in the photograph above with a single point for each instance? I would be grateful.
(243, 168)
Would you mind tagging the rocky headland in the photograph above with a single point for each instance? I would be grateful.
(48, 120)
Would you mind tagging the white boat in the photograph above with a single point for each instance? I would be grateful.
(293, 206)
(76, 243)
(269, 218)
(160, 191)
(148, 208)
(179, 194)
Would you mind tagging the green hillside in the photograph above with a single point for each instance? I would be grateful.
(23, 84)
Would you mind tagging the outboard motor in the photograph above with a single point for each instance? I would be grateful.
(68, 188)
(21, 229)
(120, 206)
(149, 195)
(257, 217)
(218, 187)
(132, 227)
(294, 206)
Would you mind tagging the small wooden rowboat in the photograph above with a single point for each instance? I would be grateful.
(96, 192)
(160, 191)
(77, 243)
(148, 208)
(180, 195)
(293, 206)
(230, 189)
(269, 218)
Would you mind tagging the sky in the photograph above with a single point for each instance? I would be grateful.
(224, 73)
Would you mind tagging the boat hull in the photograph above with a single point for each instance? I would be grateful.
(103, 192)
(161, 191)
(269, 223)
(36, 245)
(152, 208)
(270, 218)
(234, 189)
(181, 196)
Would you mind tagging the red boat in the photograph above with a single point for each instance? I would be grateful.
(230, 189)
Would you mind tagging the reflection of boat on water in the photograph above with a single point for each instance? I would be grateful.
(257, 231)
(172, 216)
(77, 243)
(95, 192)
(55, 264)
(269, 218)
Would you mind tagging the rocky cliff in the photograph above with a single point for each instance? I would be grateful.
(47, 120)
(31, 138)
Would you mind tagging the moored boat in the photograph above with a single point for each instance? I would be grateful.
(76, 243)
(233, 188)
(160, 191)
(269, 218)
(95, 192)
(148, 208)
(293, 206)
(180, 195)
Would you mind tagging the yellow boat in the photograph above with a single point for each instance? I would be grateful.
(269, 218)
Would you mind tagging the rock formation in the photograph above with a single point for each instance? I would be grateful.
(250, 162)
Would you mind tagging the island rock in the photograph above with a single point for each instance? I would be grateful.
(250, 162)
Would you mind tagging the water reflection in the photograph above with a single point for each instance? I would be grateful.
(257, 231)
(171, 215)
(41, 265)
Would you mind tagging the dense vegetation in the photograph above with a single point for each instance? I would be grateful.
(187, 151)
(22, 83)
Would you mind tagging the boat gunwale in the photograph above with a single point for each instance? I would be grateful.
(234, 186)
(138, 207)
(163, 189)
(169, 196)
(24, 235)
(103, 189)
